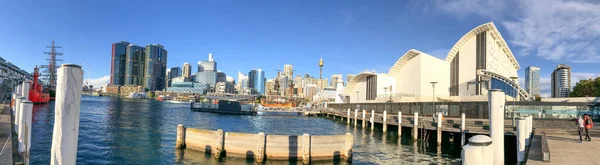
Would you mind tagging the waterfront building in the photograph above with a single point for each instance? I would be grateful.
(532, 80)
(179, 79)
(288, 70)
(155, 68)
(118, 62)
(187, 70)
(221, 77)
(479, 61)
(270, 86)
(283, 85)
(310, 91)
(561, 81)
(334, 80)
(207, 72)
(209, 78)
(11, 75)
(242, 83)
(189, 87)
(193, 77)
(224, 87)
(327, 94)
(256, 79)
(322, 83)
(135, 64)
(172, 73)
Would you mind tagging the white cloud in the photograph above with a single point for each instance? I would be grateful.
(575, 77)
(557, 30)
(98, 82)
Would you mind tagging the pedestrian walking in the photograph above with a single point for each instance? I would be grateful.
(580, 127)
(588, 125)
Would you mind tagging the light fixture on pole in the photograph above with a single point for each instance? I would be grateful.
(434, 109)
(515, 79)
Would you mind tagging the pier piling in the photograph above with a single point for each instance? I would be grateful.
(180, 142)
(66, 116)
(496, 104)
(439, 128)
(306, 149)
(372, 120)
(355, 117)
(364, 122)
(260, 147)
(26, 107)
(521, 134)
(462, 129)
(25, 89)
(17, 113)
(479, 151)
(416, 126)
(348, 117)
(400, 124)
(384, 120)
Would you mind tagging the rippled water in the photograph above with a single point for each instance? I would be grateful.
(128, 131)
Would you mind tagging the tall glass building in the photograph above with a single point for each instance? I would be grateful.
(209, 78)
(135, 64)
(256, 80)
(532, 80)
(118, 62)
(561, 81)
(156, 67)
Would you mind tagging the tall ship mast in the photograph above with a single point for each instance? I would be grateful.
(49, 74)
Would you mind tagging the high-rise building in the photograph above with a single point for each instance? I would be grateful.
(135, 65)
(334, 81)
(209, 78)
(187, 70)
(270, 86)
(561, 81)
(118, 62)
(256, 79)
(288, 70)
(155, 68)
(283, 85)
(532, 80)
(209, 65)
(242, 82)
(310, 91)
(172, 73)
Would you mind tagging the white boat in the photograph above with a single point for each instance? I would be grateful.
(137, 95)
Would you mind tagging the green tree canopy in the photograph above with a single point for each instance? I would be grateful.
(589, 87)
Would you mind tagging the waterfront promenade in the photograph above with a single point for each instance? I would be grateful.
(566, 149)
(5, 135)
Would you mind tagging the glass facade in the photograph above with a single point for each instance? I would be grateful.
(209, 78)
(188, 87)
(532, 80)
(156, 67)
(135, 63)
(371, 91)
(118, 62)
(506, 88)
(256, 81)
(454, 75)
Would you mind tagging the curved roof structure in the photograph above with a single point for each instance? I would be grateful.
(494, 32)
(350, 86)
(506, 80)
(397, 67)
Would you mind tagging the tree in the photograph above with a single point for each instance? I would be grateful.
(537, 97)
(589, 87)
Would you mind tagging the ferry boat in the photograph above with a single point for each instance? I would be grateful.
(164, 98)
(224, 105)
(36, 94)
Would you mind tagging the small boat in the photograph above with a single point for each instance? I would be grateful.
(36, 94)
(135, 95)
(164, 98)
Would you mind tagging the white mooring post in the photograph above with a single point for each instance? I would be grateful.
(530, 125)
(364, 122)
(348, 117)
(479, 151)
(462, 129)
(526, 135)
(25, 106)
(372, 119)
(399, 124)
(18, 112)
(384, 120)
(66, 119)
(521, 134)
(14, 98)
(416, 126)
(496, 112)
(19, 90)
(355, 116)
(439, 128)
(25, 89)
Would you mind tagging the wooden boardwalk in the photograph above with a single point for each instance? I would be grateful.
(6, 150)
(566, 149)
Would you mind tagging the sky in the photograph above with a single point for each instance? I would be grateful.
(351, 36)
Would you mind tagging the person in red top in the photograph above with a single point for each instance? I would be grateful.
(588, 125)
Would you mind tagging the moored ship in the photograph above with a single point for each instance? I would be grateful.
(36, 94)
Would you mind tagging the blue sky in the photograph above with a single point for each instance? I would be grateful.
(352, 36)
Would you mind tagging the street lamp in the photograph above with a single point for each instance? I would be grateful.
(514, 99)
(434, 109)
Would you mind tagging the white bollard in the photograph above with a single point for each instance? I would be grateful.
(66, 118)
(364, 122)
(416, 126)
(400, 124)
(17, 113)
(521, 134)
(530, 125)
(25, 89)
(25, 109)
(479, 151)
(540, 114)
(384, 120)
(355, 116)
(462, 129)
(496, 103)
(439, 128)
(14, 102)
(348, 117)
(526, 134)
(372, 120)
(19, 90)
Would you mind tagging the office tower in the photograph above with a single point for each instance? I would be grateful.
(209, 65)
(242, 81)
(283, 85)
(334, 81)
(172, 73)
(532, 80)
(118, 62)
(256, 79)
(270, 86)
(187, 70)
(221, 77)
(561, 81)
(155, 68)
(288, 70)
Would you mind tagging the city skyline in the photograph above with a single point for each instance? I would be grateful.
(351, 38)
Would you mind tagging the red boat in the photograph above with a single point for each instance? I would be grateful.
(35, 90)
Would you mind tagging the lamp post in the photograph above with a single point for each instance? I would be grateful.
(514, 99)
(434, 110)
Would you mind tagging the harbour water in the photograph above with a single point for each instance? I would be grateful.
(130, 131)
